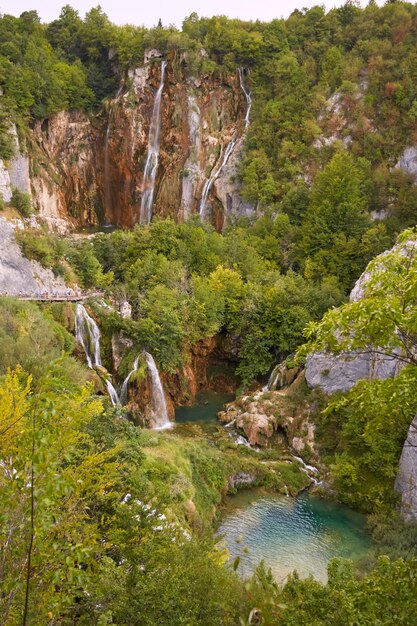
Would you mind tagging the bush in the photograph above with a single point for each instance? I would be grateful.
(22, 202)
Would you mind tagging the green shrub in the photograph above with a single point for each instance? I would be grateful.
(22, 202)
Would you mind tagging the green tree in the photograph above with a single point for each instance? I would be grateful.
(50, 477)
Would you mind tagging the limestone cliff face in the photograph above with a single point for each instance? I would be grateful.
(89, 169)
(340, 372)
(406, 481)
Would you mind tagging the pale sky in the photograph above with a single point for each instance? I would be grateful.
(170, 11)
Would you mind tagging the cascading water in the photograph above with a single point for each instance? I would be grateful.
(88, 336)
(276, 378)
(153, 154)
(160, 419)
(123, 389)
(215, 174)
(247, 96)
(227, 153)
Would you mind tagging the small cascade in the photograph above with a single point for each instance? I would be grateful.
(276, 379)
(247, 96)
(88, 336)
(310, 470)
(213, 177)
(123, 389)
(153, 154)
(160, 419)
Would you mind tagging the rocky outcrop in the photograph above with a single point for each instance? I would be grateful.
(334, 373)
(15, 173)
(340, 372)
(406, 481)
(211, 366)
(408, 162)
(18, 274)
(268, 413)
(240, 479)
(89, 170)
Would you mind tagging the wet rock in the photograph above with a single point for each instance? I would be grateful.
(282, 376)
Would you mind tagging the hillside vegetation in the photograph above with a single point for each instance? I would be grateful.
(102, 522)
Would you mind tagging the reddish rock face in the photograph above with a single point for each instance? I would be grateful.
(89, 170)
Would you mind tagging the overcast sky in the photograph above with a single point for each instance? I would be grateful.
(170, 11)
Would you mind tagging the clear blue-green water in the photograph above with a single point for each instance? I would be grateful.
(208, 404)
(287, 534)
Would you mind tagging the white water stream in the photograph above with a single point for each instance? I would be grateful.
(123, 388)
(247, 96)
(213, 177)
(227, 153)
(88, 336)
(160, 419)
(151, 165)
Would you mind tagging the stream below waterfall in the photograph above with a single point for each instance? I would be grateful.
(289, 534)
(204, 411)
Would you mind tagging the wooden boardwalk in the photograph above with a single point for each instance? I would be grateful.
(74, 297)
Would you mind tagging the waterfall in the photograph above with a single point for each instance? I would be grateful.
(153, 153)
(276, 377)
(160, 418)
(310, 470)
(227, 153)
(123, 389)
(213, 177)
(88, 336)
(247, 96)
(192, 164)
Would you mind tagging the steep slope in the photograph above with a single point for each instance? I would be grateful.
(89, 170)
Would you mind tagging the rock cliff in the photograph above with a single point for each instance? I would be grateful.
(340, 372)
(88, 170)
(406, 481)
(18, 274)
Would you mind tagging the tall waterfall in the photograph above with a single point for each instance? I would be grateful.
(247, 96)
(123, 389)
(88, 336)
(160, 419)
(153, 154)
(213, 177)
(227, 153)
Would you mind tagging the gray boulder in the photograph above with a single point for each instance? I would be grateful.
(341, 372)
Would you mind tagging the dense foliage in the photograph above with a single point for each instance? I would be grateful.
(186, 282)
(363, 431)
(103, 523)
(90, 531)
